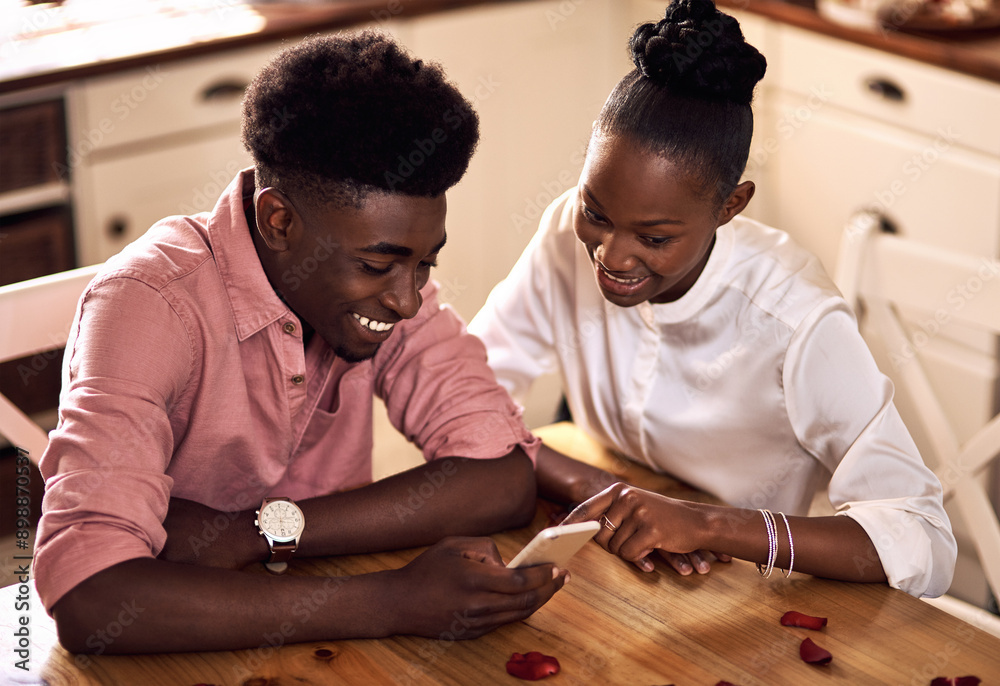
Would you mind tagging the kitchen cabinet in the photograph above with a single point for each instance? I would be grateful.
(36, 231)
(538, 74)
(152, 142)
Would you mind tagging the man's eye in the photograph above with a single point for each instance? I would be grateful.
(428, 264)
(591, 215)
(375, 271)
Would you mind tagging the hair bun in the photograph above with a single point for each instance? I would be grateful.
(699, 51)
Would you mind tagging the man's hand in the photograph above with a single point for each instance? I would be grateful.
(460, 588)
(199, 535)
(645, 521)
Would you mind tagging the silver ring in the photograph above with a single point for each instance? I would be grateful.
(607, 523)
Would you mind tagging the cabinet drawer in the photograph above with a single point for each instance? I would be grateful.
(35, 243)
(837, 163)
(32, 144)
(921, 97)
(161, 100)
(119, 199)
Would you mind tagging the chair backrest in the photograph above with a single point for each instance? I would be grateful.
(37, 315)
(887, 279)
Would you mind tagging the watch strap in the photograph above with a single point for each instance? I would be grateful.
(281, 551)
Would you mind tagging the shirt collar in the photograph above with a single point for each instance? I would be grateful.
(254, 302)
(705, 287)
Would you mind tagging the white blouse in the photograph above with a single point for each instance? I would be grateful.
(754, 386)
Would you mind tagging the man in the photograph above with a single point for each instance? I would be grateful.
(228, 357)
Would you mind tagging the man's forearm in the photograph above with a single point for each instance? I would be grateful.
(420, 506)
(446, 497)
(149, 605)
(153, 603)
(567, 481)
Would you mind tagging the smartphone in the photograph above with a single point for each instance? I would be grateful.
(556, 545)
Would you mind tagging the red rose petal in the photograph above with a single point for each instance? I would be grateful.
(956, 681)
(813, 654)
(532, 666)
(792, 618)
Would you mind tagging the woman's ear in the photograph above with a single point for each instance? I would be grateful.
(737, 201)
(275, 218)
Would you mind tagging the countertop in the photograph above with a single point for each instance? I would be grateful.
(56, 46)
(976, 53)
(61, 42)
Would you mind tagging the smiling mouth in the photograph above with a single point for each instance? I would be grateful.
(372, 324)
(627, 282)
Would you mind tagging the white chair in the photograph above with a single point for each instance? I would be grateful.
(883, 276)
(36, 315)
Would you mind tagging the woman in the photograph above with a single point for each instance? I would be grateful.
(708, 345)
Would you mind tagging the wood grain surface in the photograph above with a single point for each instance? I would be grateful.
(611, 624)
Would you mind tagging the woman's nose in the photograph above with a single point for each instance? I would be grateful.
(612, 252)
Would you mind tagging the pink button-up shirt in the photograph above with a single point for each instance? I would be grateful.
(185, 375)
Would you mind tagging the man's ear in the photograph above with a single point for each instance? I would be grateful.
(276, 219)
(737, 201)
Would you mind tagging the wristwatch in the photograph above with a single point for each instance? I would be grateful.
(280, 522)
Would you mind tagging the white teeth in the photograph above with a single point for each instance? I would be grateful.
(617, 280)
(372, 324)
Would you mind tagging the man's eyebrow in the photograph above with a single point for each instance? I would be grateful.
(386, 248)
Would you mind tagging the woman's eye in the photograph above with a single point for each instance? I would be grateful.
(375, 271)
(657, 240)
(592, 216)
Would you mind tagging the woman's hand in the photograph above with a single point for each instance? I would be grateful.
(636, 522)
(460, 588)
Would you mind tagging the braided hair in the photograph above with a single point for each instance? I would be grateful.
(689, 96)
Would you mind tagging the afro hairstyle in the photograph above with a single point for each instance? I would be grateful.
(337, 117)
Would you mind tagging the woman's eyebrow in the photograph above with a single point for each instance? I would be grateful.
(644, 222)
(592, 198)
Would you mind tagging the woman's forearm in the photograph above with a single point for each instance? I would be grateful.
(835, 547)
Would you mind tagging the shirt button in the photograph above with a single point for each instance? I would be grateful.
(289, 328)
(298, 379)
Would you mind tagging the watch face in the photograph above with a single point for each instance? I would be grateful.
(281, 520)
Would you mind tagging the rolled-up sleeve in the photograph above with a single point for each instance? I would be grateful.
(440, 392)
(128, 359)
(841, 408)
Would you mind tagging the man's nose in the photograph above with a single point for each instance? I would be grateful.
(403, 295)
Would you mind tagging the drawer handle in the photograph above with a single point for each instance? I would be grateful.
(117, 227)
(886, 88)
(224, 90)
(862, 218)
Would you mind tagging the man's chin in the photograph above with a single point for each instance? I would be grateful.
(353, 355)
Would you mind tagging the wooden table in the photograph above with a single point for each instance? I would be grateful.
(610, 625)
